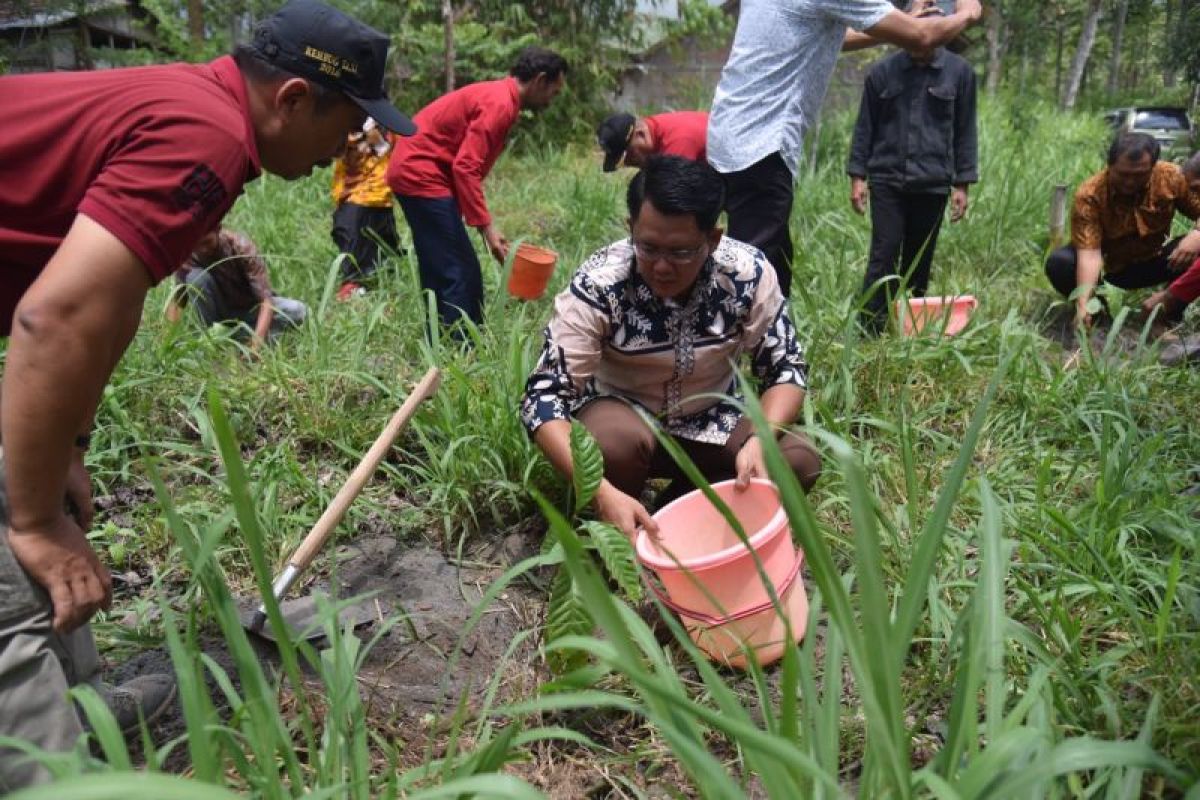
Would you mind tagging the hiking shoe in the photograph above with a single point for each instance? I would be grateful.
(350, 289)
(144, 697)
(1179, 352)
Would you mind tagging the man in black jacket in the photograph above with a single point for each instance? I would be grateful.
(915, 143)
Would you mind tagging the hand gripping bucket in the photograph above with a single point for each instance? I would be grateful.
(531, 270)
(922, 312)
(709, 578)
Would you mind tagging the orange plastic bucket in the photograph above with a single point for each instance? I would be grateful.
(710, 579)
(952, 312)
(531, 270)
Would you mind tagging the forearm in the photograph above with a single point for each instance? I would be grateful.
(56, 370)
(1087, 273)
(860, 141)
(928, 32)
(262, 326)
(468, 192)
(554, 439)
(856, 40)
(939, 30)
(781, 404)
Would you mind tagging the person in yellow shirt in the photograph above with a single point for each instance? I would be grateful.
(362, 216)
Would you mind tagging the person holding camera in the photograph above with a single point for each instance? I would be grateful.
(770, 92)
(916, 145)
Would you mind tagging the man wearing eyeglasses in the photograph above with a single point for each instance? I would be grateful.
(654, 325)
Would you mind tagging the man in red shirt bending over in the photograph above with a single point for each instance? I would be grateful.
(107, 181)
(438, 175)
(628, 140)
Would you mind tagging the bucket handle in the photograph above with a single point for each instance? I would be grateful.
(709, 619)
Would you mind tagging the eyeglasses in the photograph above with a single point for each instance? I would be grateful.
(679, 257)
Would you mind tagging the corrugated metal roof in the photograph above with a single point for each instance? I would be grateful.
(46, 13)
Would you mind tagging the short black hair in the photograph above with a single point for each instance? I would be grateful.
(257, 69)
(534, 61)
(1133, 145)
(1192, 165)
(678, 186)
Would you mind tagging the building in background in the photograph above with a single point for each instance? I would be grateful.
(47, 35)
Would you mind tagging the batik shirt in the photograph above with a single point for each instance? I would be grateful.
(611, 337)
(1130, 230)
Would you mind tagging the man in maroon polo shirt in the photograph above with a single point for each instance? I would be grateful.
(629, 140)
(107, 181)
(437, 176)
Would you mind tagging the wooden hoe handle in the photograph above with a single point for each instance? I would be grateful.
(328, 522)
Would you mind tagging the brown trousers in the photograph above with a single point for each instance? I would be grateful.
(632, 454)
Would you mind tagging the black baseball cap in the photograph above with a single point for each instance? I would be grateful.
(316, 41)
(613, 135)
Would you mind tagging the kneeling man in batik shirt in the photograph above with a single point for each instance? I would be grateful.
(656, 323)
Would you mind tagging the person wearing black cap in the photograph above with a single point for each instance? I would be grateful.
(626, 139)
(107, 181)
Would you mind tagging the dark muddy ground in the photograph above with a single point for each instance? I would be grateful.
(418, 669)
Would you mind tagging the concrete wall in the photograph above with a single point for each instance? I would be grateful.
(684, 77)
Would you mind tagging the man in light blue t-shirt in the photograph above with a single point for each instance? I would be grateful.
(771, 90)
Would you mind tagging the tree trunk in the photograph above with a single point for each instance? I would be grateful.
(195, 16)
(1058, 54)
(1170, 74)
(995, 34)
(448, 33)
(1023, 70)
(1087, 38)
(235, 19)
(83, 51)
(1118, 37)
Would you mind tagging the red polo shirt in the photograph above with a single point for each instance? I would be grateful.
(155, 155)
(459, 137)
(680, 133)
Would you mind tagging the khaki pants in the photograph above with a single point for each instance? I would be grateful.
(632, 454)
(37, 666)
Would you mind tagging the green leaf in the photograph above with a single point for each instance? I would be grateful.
(566, 615)
(617, 553)
(1080, 754)
(587, 465)
(104, 726)
(125, 786)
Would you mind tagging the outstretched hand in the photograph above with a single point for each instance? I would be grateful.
(972, 8)
(1185, 253)
(497, 245)
(749, 463)
(623, 511)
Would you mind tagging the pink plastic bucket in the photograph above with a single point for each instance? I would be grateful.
(922, 312)
(710, 578)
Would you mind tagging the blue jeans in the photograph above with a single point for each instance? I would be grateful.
(445, 257)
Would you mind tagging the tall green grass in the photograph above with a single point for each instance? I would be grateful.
(1006, 578)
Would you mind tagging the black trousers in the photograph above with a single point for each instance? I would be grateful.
(1060, 269)
(758, 200)
(352, 227)
(445, 258)
(904, 232)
